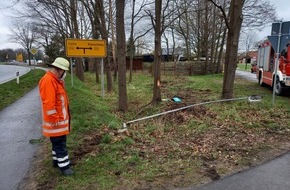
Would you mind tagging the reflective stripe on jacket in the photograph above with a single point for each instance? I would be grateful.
(55, 111)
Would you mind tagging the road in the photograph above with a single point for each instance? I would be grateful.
(247, 75)
(272, 175)
(8, 72)
(19, 123)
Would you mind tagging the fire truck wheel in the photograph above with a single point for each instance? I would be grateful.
(260, 80)
(279, 88)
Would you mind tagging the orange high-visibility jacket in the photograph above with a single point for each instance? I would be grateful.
(55, 111)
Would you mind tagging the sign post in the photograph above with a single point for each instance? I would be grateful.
(17, 77)
(86, 48)
(276, 63)
(102, 77)
(279, 39)
(33, 51)
(71, 68)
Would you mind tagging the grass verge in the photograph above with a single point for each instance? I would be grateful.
(181, 149)
(244, 66)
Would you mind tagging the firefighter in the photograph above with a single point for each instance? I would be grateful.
(55, 113)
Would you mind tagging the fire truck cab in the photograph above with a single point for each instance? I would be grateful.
(266, 67)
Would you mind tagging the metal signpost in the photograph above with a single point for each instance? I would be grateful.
(33, 51)
(71, 68)
(279, 39)
(87, 48)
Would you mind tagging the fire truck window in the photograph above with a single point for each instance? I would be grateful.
(284, 53)
(271, 67)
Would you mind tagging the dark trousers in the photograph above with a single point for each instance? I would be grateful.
(59, 152)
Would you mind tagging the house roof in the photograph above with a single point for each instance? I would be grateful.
(252, 54)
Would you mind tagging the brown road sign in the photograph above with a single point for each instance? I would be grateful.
(85, 48)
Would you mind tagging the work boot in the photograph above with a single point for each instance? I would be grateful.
(67, 172)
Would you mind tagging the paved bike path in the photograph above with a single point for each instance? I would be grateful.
(19, 123)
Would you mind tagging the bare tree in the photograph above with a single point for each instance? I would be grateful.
(248, 40)
(199, 25)
(93, 15)
(184, 25)
(24, 34)
(247, 43)
(135, 18)
(75, 34)
(97, 13)
(121, 54)
(221, 39)
(60, 17)
(157, 53)
(234, 24)
(237, 12)
(160, 22)
(131, 40)
(104, 34)
(258, 13)
(201, 28)
(113, 37)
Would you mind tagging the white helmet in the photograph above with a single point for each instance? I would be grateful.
(61, 63)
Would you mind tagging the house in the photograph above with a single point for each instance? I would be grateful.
(249, 57)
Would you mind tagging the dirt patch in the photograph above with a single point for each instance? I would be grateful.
(89, 145)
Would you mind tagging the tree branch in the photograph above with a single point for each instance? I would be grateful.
(223, 12)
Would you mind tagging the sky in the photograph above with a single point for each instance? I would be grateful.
(5, 24)
(282, 8)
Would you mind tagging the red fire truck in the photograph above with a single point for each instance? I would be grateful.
(266, 67)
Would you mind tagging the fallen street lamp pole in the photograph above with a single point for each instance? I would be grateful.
(252, 98)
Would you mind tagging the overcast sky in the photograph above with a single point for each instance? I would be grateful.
(5, 23)
(282, 7)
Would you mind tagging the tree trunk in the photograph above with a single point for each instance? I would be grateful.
(219, 67)
(104, 34)
(121, 54)
(29, 56)
(96, 64)
(216, 52)
(213, 45)
(198, 32)
(79, 63)
(157, 54)
(206, 38)
(113, 41)
(132, 41)
(79, 69)
(96, 25)
(234, 28)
